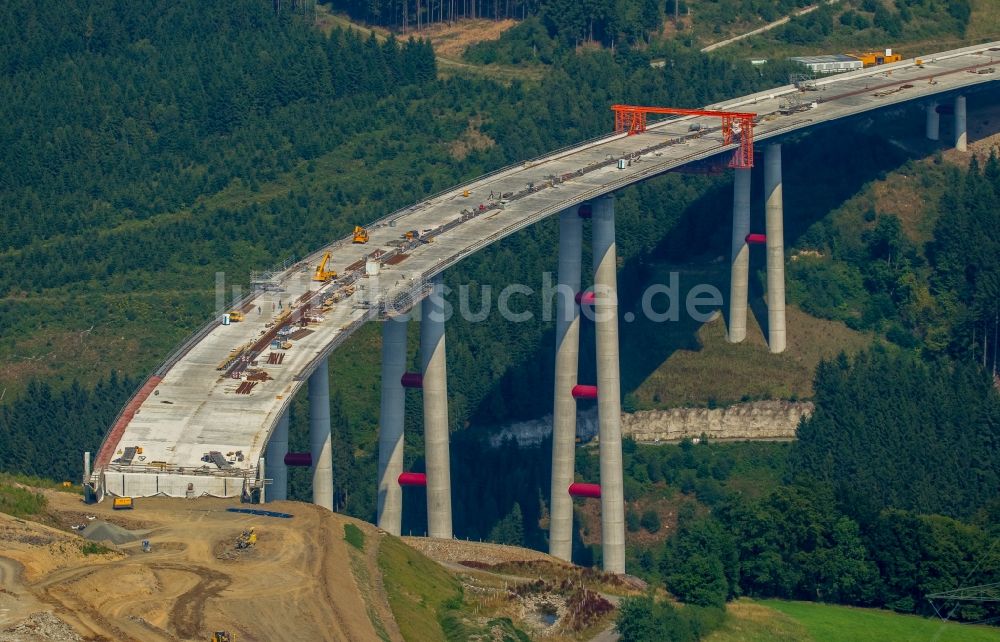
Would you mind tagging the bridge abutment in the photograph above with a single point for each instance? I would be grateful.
(609, 385)
(740, 257)
(961, 133)
(775, 244)
(320, 439)
(390, 438)
(274, 461)
(435, 389)
(567, 368)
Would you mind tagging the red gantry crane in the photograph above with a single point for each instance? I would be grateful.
(736, 125)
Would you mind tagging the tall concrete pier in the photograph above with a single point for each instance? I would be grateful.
(739, 274)
(933, 126)
(609, 385)
(390, 435)
(567, 366)
(320, 439)
(775, 244)
(274, 461)
(435, 387)
(961, 134)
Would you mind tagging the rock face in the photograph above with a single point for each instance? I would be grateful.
(753, 420)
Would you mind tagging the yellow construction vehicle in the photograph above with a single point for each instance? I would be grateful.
(246, 539)
(322, 274)
(235, 316)
(360, 234)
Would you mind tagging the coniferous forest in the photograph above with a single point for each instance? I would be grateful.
(145, 146)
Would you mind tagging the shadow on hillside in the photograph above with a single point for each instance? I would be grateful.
(822, 170)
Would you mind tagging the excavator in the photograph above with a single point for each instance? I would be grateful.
(360, 234)
(247, 539)
(322, 274)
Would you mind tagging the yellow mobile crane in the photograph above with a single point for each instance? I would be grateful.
(322, 274)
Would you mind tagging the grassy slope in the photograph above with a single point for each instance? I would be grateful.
(780, 621)
(749, 621)
(690, 374)
(418, 589)
(829, 623)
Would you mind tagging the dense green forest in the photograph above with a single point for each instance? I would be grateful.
(942, 296)
(148, 145)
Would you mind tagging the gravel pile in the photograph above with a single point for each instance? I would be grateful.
(101, 531)
(40, 626)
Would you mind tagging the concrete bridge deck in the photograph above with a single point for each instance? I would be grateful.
(192, 407)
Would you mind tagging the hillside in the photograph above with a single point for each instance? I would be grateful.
(314, 575)
(193, 581)
(851, 26)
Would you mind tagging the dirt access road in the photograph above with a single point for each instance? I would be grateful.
(296, 583)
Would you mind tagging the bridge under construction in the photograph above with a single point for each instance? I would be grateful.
(213, 418)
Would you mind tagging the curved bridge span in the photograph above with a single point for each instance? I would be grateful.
(201, 399)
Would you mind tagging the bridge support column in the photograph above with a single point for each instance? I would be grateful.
(435, 387)
(609, 385)
(774, 224)
(390, 435)
(933, 122)
(567, 367)
(320, 439)
(740, 257)
(961, 135)
(274, 460)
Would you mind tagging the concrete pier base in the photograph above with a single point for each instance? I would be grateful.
(774, 224)
(739, 273)
(567, 367)
(609, 385)
(933, 127)
(274, 460)
(390, 436)
(436, 438)
(320, 439)
(961, 132)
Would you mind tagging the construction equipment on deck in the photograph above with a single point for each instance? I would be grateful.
(235, 316)
(737, 126)
(322, 274)
(223, 636)
(875, 58)
(360, 234)
(123, 503)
